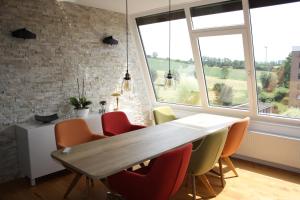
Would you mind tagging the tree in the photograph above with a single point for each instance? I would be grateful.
(224, 94)
(190, 61)
(265, 79)
(224, 72)
(154, 54)
(153, 75)
(287, 71)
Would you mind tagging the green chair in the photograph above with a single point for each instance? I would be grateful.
(204, 157)
(163, 114)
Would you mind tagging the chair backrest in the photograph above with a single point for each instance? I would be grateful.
(235, 137)
(168, 171)
(207, 153)
(72, 132)
(163, 114)
(115, 123)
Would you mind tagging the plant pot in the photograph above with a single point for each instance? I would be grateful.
(82, 113)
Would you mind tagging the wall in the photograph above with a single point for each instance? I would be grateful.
(38, 76)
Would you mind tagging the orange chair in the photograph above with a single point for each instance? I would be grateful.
(234, 139)
(73, 132)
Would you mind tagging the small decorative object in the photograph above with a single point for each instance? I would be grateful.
(102, 105)
(116, 94)
(23, 33)
(80, 103)
(46, 119)
(110, 40)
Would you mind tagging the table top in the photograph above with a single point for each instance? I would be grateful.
(101, 158)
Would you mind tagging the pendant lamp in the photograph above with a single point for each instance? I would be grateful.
(169, 79)
(127, 82)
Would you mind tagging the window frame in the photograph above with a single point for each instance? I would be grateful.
(141, 44)
(245, 30)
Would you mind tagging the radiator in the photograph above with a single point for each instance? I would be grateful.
(277, 151)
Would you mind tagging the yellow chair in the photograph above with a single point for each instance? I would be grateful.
(163, 114)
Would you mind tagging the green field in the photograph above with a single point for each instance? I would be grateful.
(188, 85)
(187, 88)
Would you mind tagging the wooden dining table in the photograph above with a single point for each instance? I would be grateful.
(101, 158)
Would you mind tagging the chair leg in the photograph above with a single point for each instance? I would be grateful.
(194, 187)
(230, 165)
(88, 184)
(187, 180)
(206, 183)
(92, 182)
(142, 165)
(221, 172)
(72, 185)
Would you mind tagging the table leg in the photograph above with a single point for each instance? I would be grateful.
(72, 185)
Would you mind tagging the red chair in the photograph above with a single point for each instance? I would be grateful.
(158, 181)
(115, 123)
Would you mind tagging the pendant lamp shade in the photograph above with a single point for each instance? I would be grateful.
(169, 81)
(169, 78)
(127, 82)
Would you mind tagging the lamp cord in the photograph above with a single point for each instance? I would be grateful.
(127, 35)
(169, 36)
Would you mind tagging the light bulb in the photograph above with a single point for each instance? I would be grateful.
(169, 81)
(126, 85)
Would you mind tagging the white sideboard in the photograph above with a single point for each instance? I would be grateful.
(36, 141)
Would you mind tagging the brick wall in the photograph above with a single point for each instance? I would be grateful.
(38, 76)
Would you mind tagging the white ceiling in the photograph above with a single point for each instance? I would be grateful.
(134, 6)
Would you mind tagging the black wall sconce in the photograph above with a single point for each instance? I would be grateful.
(110, 40)
(23, 33)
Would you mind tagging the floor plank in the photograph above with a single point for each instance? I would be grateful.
(255, 182)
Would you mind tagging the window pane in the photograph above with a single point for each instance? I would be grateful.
(277, 57)
(155, 38)
(217, 15)
(224, 69)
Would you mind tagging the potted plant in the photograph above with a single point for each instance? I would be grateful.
(80, 103)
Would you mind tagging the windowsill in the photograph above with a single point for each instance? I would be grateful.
(270, 125)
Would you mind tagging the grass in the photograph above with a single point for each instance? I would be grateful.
(187, 89)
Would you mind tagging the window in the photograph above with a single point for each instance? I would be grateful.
(220, 31)
(227, 13)
(277, 55)
(222, 53)
(154, 35)
(224, 69)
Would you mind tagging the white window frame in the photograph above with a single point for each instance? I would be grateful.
(245, 30)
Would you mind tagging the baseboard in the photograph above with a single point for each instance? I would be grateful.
(271, 164)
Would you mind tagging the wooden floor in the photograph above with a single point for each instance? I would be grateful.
(256, 182)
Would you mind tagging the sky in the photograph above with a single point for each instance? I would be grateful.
(275, 32)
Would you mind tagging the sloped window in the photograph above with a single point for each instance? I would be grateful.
(154, 34)
(228, 13)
